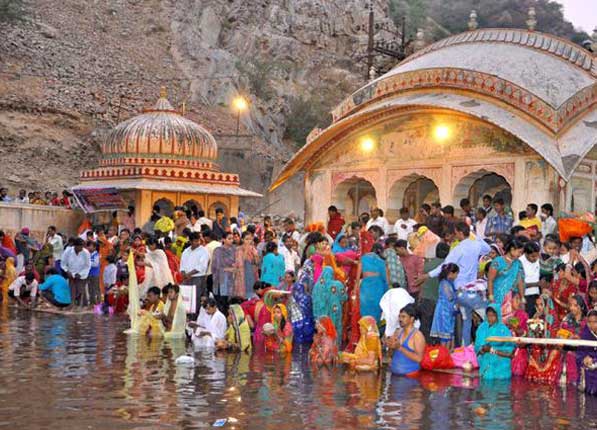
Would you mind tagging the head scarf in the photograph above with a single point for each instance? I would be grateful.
(426, 244)
(370, 341)
(581, 304)
(284, 311)
(328, 326)
(336, 247)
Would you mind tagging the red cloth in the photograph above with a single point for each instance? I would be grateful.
(572, 227)
(174, 265)
(436, 357)
(7, 242)
(335, 225)
(562, 293)
(328, 325)
(366, 242)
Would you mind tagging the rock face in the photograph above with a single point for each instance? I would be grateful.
(70, 70)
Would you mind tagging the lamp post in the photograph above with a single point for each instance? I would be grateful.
(240, 104)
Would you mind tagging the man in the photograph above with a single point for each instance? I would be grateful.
(465, 255)
(210, 326)
(290, 256)
(193, 266)
(487, 207)
(468, 214)
(223, 267)
(532, 220)
(500, 222)
(481, 224)
(24, 287)
(203, 220)
(405, 225)
(22, 197)
(424, 212)
(76, 263)
(211, 244)
(449, 218)
(408, 344)
(290, 230)
(413, 267)
(220, 225)
(55, 240)
(532, 271)
(112, 235)
(435, 221)
(379, 220)
(335, 222)
(4, 196)
(93, 279)
(549, 224)
(55, 290)
(397, 277)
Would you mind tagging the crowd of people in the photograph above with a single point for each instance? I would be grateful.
(48, 198)
(433, 284)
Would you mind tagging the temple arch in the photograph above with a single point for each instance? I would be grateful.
(192, 202)
(217, 205)
(166, 206)
(411, 191)
(476, 184)
(354, 196)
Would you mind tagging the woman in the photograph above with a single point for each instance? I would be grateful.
(328, 298)
(238, 333)
(280, 339)
(563, 289)
(174, 317)
(367, 354)
(374, 282)
(586, 357)
(223, 268)
(505, 276)
(444, 317)
(494, 357)
(7, 276)
(246, 266)
(324, 350)
(158, 261)
(408, 344)
(545, 311)
(272, 266)
(544, 362)
(300, 308)
(592, 295)
(571, 328)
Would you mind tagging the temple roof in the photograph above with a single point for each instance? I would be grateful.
(538, 87)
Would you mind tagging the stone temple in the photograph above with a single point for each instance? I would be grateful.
(162, 158)
(511, 112)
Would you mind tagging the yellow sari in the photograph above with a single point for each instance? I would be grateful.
(179, 321)
(238, 333)
(368, 353)
(148, 324)
(10, 274)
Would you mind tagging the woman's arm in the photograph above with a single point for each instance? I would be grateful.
(490, 280)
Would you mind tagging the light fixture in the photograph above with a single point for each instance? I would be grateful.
(240, 104)
(441, 132)
(367, 144)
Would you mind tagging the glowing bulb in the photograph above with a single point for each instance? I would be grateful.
(367, 144)
(441, 132)
(240, 104)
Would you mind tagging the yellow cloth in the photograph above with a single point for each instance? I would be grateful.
(368, 343)
(531, 222)
(164, 224)
(178, 246)
(150, 325)
(10, 274)
(239, 332)
(134, 306)
(179, 321)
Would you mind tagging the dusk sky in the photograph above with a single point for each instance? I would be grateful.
(582, 13)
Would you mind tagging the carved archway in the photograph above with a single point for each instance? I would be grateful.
(411, 191)
(475, 185)
(353, 196)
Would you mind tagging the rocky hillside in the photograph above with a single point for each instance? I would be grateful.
(70, 70)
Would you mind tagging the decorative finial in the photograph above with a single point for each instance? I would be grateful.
(420, 39)
(163, 92)
(472, 22)
(532, 21)
(372, 73)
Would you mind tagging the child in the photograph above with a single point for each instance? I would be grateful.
(93, 287)
(444, 317)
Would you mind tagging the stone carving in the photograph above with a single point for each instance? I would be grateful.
(506, 170)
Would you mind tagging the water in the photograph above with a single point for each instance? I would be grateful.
(66, 372)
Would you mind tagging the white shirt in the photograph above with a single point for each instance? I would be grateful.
(215, 324)
(24, 200)
(531, 274)
(480, 228)
(110, 275)
(195, 259)
(205, 221)
(404, 227)
(549, 226)
(20, 283)
(76, 264)
(290, 258)
(211, 247)
(381, 222)
(57, 246)
(295, 235)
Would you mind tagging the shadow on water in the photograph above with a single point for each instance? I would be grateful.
(60, 372)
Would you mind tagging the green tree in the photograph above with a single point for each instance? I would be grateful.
(11, 10)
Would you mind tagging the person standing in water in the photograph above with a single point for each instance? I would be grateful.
(408, 344)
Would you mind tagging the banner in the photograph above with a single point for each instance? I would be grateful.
(99, 199)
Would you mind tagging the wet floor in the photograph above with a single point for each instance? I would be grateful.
(67, 372)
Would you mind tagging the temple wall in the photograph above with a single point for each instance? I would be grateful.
(14, 217)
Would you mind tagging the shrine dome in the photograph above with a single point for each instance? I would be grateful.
(164, 136)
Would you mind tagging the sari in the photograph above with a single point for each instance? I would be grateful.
(9, 275)
(105, 249)
(588, 377)
(328, 297)
(238, 334)
(324, 350)
(300, 306)
(317, 260)
(368, 353)
(373, 287)
(246, 270)
(148, 324)
(160, 275)
(493, 366)
(177, 317)
(508, 274)
(9, 243)
(444, 317)
(424, 242)
(281, 340)
(174, 264)
(222, 269)
(272, 269)
(562, 292)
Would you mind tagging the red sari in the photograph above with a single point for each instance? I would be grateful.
(562, 292)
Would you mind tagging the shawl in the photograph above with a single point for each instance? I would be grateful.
(161, 273)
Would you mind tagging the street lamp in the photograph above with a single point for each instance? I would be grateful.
(240, 104)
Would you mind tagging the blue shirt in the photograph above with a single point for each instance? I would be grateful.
(466, 256)
(498, 224)
(59, 288)
(94, 270)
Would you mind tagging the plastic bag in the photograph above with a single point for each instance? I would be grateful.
(436, 357)
(465, 354)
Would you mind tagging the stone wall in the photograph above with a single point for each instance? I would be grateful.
(14, 217)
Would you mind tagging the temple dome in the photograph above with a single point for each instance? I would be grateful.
(160, 133)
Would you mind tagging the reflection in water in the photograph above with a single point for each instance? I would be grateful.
(82, 372)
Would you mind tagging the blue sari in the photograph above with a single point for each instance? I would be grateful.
(506, 279)
(444, 317)
(272, 269)
(493, 366)
(336, 247)
(300, 307)
(373, 287)
(328, 297)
